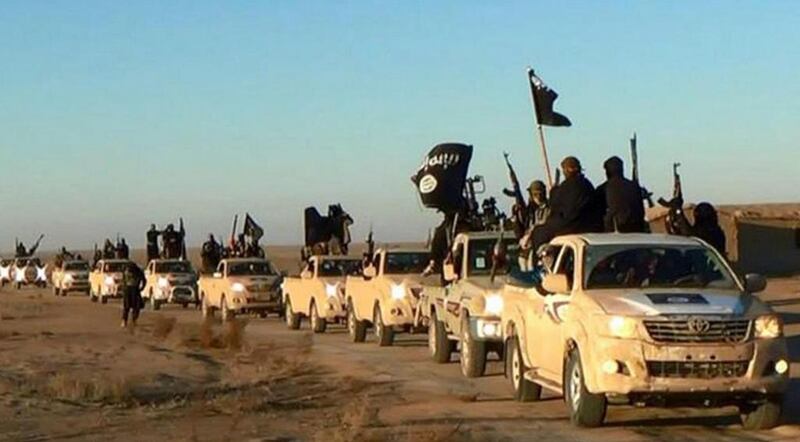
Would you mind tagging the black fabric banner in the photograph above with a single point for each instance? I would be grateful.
(543, 99)
(441, 177)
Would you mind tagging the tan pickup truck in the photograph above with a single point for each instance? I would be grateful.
(386, 295)
(170, 281)
(241, 285)
(105, 280)
(318, 293)
(465, 311)
(71, 276)
(28, 271)
(645, 320)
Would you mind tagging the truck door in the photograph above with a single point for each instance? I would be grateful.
(548, 348)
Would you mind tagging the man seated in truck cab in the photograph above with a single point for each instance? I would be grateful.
(250, 268)
(339, 267)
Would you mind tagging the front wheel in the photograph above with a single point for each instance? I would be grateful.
(208, 311)
(355, 328)
(473, 353)
(56, 291)
(383, 333)
(439, 345)
(318, 325)
(154, 303)
(762, 416)
(292, 319)
(227, 314)
(104, 300)
(585, 409)
(524, 390)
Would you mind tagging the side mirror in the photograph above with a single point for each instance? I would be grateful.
(754, 283)
(555, 283)
(370, 272)
(449, 272)
(218, 274)
(305, 274)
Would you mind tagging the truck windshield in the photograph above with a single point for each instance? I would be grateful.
(77, 266)
(174, 267)
(406, 262)
(639, 266)
(340, 267)
(261, 268)
(115, 267)
(480, 257)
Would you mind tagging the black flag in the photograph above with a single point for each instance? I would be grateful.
(252, 229)
(441, 177)
(543, 99)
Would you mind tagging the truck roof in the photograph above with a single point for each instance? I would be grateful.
(493, 234)
(245, 260)
(400, 249)
(112, 261)
(337, 257)
(159, 260)
(633, 238)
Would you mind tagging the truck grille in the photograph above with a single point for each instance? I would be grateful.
(697, 370)
(699, 330)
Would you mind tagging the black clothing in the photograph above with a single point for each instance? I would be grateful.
(122, 251)
(211, 255)
(133, 282)
(624, 206)
(173, 244)
(152, 244)
(574, 208)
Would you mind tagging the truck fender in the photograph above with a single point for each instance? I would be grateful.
(516, 326)
(578, 339)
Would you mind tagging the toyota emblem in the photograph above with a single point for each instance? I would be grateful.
(698, 326)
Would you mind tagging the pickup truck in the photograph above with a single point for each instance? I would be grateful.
(105, 280)
(318, 293)
(386, 295)
(71, 276)
(5, 271)
(239, 286)
(465, 311)
(28, 271)
(170, 281)
(644, 320)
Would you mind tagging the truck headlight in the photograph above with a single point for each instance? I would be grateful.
(163, 282)
(109, 280)
(398, 292)
(768, 326)
(622, 327)
(330, 290)
(19, 275)
(68, 278)
(237, 287)
(494, 304)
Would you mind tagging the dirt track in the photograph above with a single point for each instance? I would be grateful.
(68, 372)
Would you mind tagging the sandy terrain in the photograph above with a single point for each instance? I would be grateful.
(68, 372)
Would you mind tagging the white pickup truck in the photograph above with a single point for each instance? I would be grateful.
(318, 293)
(71, 276)
(170, 281)
(105, 280)
(386, 295)
(241, 285)
(28, 271)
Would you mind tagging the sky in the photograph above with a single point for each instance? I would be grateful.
(114, 115)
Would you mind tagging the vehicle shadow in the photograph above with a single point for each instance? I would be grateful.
(791, 403)
(793, 343)
(695, 421)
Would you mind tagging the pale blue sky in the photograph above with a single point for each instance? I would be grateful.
(116, 114)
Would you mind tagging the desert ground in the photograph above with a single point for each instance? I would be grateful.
(69, 372)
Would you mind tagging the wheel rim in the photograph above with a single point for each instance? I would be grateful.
(288, 314)
(516, 369)
(465, 351)
(314, 317)
(224, 308)
(378, 324)
(575, 386)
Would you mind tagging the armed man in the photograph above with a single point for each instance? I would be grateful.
(133, 282)
(122, 251)
(172, 242)
(109, 251)
(574, 207)
(21, 251)
(624, 207)
(152, 242)
(211, 254)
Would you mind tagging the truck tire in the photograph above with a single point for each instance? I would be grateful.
(355, 328)
(154, 304)
(439, 345)
(208, 311)
(56, 291)
(318, 325)
(92, 295)
(473, 353)
(226, 313)
(384, 334)
(103, 299)
(292, 318)
(523, 389)
(585, 409)
(762, 416)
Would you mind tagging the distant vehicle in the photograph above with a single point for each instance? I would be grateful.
(170, 281)
(464, 314)
(5, 271)
(28, 271)
(318, 293)
(105, 280)
(241, 285)
(386, 295)
(71, 276)
(646, 320)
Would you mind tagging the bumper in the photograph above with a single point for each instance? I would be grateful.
(177, 294)
(398, 313)
(111, 291)
(258, 302)
(332, 308)
(486, 329)
(77, 286)
(646, 368)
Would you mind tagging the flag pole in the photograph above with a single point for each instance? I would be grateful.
(540, 130)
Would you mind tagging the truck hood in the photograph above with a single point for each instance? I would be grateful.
(675, 302)
(255, 279)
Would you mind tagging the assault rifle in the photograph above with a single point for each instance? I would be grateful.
(677, 190)
(646, 195)
(520, 214)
